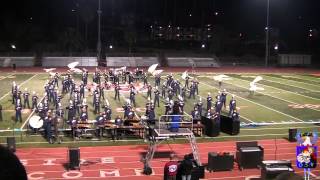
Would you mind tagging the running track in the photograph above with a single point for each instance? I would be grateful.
(123, 162)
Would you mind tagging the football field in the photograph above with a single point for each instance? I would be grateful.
(288, 101)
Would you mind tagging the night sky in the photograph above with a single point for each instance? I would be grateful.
(45, 19)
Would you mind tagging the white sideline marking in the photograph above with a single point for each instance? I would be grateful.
(19, 85)
(259, 104)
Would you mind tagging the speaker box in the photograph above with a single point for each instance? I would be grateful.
(74, 158)
(11, 144)
(218, 162)
(212, 128)
(197, 173)
(246, 144)
(292, 135)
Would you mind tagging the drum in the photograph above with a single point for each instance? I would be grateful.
(35, 122)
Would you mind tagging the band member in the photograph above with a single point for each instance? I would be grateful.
(60, 111)
(181, 104)
(85, 78)
(235, 116)
(195, 114)
(18, 94)
(209, 101)
(74, 129)
(210, 113)
(186, 83)
(223, 98)
(145, 79)
(126, 110)
(117, 122)
(47, 126)
(106, 76)
(167, 107)
(183, 93)
(131, 115)
(170, 93)
(40, 111)
(71, 111)
(196, 86)
(26, 95)
(132, 97)
(58, 99)
(100, 121)
(81, 90)
(84, 116)
(220, 84)
(157, 80)
(174, 86)
(163, 90)
(199, 106)
(14, 91)
(101, 89)
(218, 106)
(97, 104)
(150, 112)
(18, 109)
(232, 105)
(56, 79)
(156, 97)
(192, 91)
(117, 92)
(0, 112)
(149, 88)
(107, 111)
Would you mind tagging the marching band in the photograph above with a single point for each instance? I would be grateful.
(51, 112)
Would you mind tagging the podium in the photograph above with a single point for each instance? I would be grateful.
(229, 126)
(212, 127)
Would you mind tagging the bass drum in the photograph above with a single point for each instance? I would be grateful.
(35, 122)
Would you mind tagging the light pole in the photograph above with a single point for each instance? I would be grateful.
(267, 35)
(99, 32)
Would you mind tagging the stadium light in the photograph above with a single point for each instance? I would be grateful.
(110, 46)
(13, 46)
(276, 47)
(203, 46)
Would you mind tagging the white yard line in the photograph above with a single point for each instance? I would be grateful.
(19, 85)
(305, 79)
(284, 79)
(292, 84)
(4, 77)
(282, 90)
(291, 102)
(258, 104)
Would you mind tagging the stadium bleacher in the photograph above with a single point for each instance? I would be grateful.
(64, 61)
(18, 61)
(192, 61)
(131, 61)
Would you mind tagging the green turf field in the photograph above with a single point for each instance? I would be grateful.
(288, 100)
